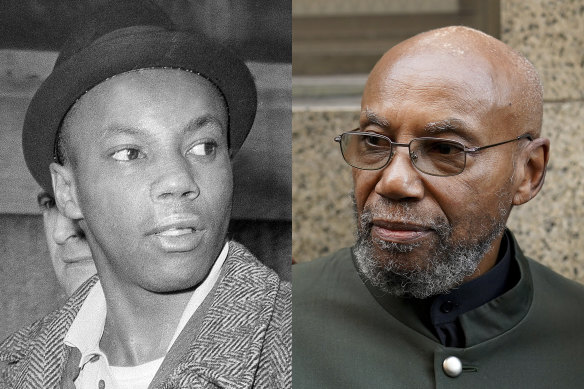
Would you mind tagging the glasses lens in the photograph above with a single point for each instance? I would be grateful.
(438, 157)
(365, 151)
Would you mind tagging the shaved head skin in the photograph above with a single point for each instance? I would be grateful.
(504, 79)
(420, 235)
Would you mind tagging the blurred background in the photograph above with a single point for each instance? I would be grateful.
(335, 45)
(31, 33)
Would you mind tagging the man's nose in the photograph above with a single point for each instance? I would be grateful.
(400, 180)
(64, 228)
(174, 181)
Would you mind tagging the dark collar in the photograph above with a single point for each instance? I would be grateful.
(447, 307)
(479, 324)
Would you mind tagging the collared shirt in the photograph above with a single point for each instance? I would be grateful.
(445, 309)
(87, 329)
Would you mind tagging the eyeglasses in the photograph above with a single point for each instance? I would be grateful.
(433, 156)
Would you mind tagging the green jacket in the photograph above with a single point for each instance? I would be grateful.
(346, 334)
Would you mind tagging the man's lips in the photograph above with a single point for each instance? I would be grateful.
(399, 232)
(178, 233)
(77, 259)
(74, 250)
(176, 225)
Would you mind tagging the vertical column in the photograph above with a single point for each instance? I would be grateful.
(551, 34)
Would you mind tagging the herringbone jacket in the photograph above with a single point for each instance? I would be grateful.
(244, 340)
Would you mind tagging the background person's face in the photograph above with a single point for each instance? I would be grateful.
(153, 177)
(70, 253)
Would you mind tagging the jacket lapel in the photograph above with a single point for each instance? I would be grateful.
(227, 350)
(48, 354)
(186, 338)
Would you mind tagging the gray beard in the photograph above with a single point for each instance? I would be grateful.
(445, 268)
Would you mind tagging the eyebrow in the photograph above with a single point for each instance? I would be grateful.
(373, 118)
(448, 126)
(202, 121)
(192, 126)
(120, 130)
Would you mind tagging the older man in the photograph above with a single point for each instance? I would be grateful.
(436, 291)
(69, 251)
(134, 133)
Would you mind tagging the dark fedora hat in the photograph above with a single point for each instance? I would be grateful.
(120, 38)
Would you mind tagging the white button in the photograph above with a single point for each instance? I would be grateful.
(452, 366)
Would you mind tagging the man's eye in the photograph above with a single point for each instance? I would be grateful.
(128, 154)
(375, 141)
(203, 149)
(444, 148)
(46, 203)
(372, 140)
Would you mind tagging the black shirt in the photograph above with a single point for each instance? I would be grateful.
(445, 309)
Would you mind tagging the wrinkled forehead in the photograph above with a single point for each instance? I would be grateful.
(465, 72)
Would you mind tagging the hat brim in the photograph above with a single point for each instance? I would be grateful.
(126, 51)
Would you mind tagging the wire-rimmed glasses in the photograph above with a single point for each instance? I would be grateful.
(433, 156)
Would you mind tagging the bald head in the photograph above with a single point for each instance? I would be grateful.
(493, 77)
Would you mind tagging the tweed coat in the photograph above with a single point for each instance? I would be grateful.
(244, 340)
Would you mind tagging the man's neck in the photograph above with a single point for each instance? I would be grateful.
(139, 326)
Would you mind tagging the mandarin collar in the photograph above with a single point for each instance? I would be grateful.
(476, 292)
(488, 320)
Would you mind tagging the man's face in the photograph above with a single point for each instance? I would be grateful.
(152, 177)
(70, 253)
(426, 234)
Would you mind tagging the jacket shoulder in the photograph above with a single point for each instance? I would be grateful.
(275, 360)
(24, 347)
(241, 259)
(552, 286)
(312, 278)
(14, 347)
(18, 349)
(323, 263)
(258, 275)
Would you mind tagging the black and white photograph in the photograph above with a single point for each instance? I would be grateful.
(145, 205)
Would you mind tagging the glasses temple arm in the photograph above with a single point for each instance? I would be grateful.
(473, 149)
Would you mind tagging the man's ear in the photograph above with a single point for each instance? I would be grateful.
(533, 170)
(65, 191)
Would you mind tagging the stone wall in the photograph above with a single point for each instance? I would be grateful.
(550, 228)
(551, 35)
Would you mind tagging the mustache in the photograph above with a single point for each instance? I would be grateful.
(400, 212)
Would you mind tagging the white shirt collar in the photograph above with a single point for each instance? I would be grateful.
(87, 327)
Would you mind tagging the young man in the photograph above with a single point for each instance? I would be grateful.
(145, 122)
(68, 248)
